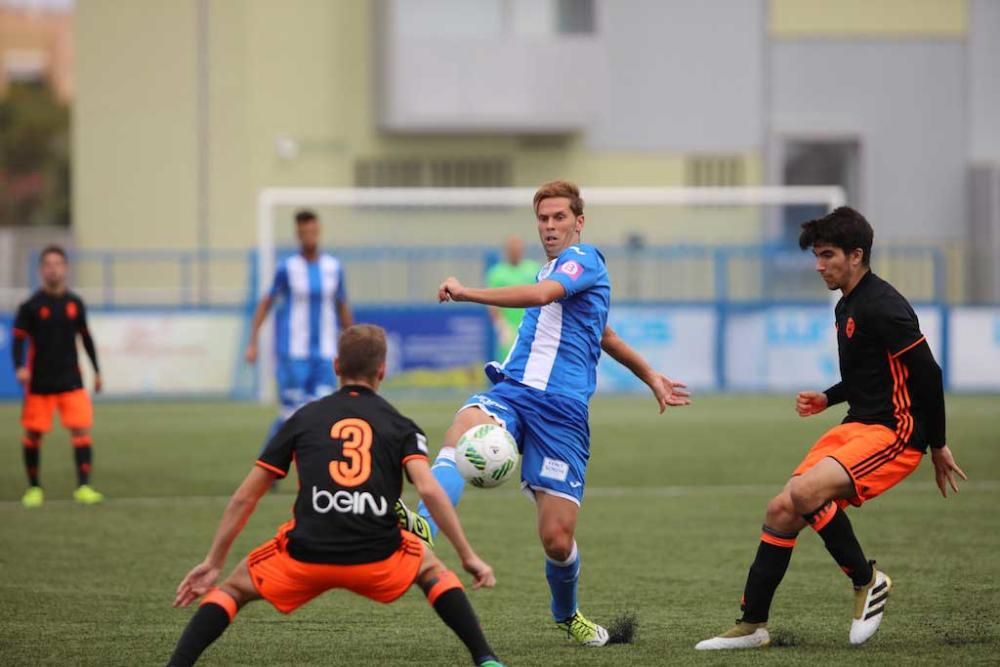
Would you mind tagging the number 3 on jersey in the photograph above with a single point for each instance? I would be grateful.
(356, 435)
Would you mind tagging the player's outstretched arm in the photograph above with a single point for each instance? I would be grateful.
(259, 315)
(518, 296)
(444, 515)
(667, 392)
(242, 504)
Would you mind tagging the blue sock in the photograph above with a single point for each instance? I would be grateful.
(271, 432)
(563, 578)
(447, 475)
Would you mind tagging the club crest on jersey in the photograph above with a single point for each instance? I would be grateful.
(571, 269)
(71, 311)
(849, 327)
(44, 312)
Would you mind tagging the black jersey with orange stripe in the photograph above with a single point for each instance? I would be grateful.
(45, 334)
(876, 327)
(349, 449)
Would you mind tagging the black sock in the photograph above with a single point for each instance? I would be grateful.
(454, 609)
(768, 569)
(32, 459)
(207, 624)
(834, 527)
(83, 455)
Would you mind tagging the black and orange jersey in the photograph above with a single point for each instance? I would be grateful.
(349, 449)
(50, 323)
(877, 333)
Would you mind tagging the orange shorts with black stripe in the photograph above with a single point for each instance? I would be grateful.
(288, 583)
(75, 410)
(875, 457)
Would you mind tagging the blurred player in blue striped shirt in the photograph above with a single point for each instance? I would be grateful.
(312, 309)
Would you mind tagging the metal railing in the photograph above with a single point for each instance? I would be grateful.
(408, 275)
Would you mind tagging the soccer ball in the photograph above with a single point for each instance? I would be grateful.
(486, 455)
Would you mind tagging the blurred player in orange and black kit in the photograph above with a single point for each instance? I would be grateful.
(893, 389)
(351, 450)
(46, 364)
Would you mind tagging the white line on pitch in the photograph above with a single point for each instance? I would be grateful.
(591, 492)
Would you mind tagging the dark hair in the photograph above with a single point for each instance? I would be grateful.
(52, 249)
(360, 351)
(554, 189)
(305, 215)
(843, 228)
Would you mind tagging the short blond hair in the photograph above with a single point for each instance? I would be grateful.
(566, 189)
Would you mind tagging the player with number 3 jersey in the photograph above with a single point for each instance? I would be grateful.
(351, 450)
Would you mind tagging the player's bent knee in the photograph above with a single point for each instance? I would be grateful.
(558, 544)
(780, 507)
(805, 496)
(781, 514)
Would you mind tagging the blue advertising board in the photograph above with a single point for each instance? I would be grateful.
(676, 340)
(433, 345)
(9, 388)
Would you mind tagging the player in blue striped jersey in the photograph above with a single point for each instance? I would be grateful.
(312, 309)
(541, 391)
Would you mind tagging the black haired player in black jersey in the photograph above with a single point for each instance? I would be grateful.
(46, 363)
(895, 397)
(351, 450)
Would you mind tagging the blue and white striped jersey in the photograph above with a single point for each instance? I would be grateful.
(558, 345)
(306, 317)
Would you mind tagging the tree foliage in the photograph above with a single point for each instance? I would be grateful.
(34, 157)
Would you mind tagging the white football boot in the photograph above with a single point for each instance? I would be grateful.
(869, 605)
(741, 635)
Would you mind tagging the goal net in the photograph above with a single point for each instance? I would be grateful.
(663, 245)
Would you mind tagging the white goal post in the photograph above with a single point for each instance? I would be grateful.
(270, 200)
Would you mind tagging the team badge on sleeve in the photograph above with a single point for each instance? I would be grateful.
(571, 269)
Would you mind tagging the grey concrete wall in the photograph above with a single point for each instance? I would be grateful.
(984, 80)
(673, 85)
(906, 101)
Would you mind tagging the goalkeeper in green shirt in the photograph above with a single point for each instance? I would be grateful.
(514, 270)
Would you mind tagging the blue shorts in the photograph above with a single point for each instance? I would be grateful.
(303, 380)
(552, 432)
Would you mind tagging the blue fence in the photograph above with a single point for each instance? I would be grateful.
(721, 317)
(409, 275)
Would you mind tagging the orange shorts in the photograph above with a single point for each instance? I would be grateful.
(871, 454)
(288, 583)
(74, 407)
